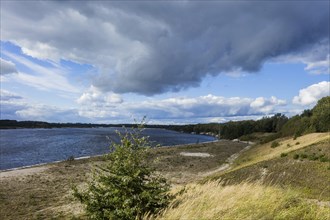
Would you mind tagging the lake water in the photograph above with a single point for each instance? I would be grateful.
(25, 147)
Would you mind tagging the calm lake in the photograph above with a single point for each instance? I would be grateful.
(25, 147)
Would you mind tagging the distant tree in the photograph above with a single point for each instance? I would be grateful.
(321, 115)
(307, 113)
(126, 187)
(279, 121)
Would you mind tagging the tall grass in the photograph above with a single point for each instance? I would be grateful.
(243, 201)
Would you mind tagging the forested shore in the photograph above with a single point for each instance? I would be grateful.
(316, 119)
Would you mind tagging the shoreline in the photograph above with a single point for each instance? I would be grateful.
(46, 188)
(94, 156)
(45, 164)
(25, 162)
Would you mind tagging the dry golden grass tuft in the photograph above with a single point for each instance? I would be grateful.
(242, 201)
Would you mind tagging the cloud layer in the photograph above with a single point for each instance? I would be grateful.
(14, 106)
(52, 77)
(111, 109)
(150, 48)
(206, 107)
(7, 67)
(311, 94)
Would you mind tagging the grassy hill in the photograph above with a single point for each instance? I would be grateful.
(213, 201)
(289, 181)
(302, 164)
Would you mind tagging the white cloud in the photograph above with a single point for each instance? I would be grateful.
(40, 77)
(266, 105)
(202, 108)
(7, 96)
(10, 104)
(319, 67)
(7, 67)
(95, 106)
(47, 113)
(316, 58)
(17, 107)
(311, 94)
(95, 97)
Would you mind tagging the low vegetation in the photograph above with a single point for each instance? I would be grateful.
(263, 152)
(302, 167)
(214, 201)
(125, 187)
(275, 144)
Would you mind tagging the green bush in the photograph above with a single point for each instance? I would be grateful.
(284, 154)
(274, 144)
(313, 157)
(126, 187)
(296, 135)
(303, 155)
(270, 138)
(296, 156)
(324, 159)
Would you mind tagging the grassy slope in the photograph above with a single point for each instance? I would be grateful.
(264, 185)
(264, 152)
(179, 169)
(265, 164)
(309, 176)
(213, 201)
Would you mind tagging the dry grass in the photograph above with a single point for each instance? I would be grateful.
(41, 193)
(179, 169)
(244, 201)
(265, 152)
(306, 174)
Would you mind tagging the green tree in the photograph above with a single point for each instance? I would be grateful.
(126, 187)
(321, 115)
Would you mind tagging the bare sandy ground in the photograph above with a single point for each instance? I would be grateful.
(196, 154)
(23, 171)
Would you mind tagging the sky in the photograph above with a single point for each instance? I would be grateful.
(175, 62)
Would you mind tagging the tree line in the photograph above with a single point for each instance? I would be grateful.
(310, 120)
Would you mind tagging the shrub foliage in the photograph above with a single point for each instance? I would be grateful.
(126, 188)
(275, 144)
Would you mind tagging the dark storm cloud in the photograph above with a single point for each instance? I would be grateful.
(154, 47)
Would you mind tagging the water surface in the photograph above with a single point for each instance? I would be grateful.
(25, 147)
